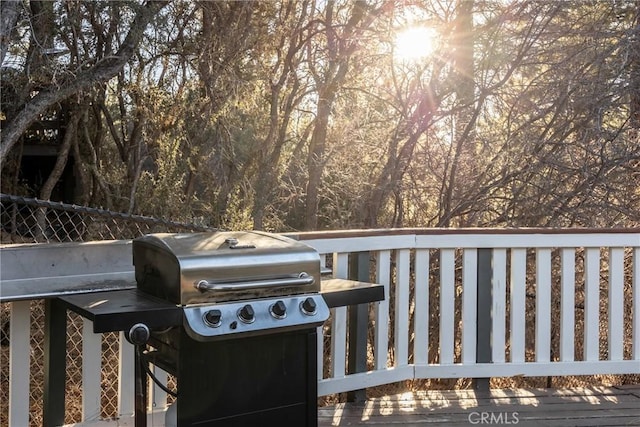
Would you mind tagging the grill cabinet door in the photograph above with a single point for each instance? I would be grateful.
(264, 380)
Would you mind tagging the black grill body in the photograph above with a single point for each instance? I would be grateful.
(263, 380)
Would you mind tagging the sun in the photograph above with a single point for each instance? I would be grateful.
(414, 43)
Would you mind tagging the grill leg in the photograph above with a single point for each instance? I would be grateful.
(140, 390)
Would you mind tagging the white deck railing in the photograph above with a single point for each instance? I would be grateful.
(427, 325)
(606, 257)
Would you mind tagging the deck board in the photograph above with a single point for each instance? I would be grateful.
(593, 406)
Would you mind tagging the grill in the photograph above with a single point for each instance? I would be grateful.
(245, 352)
(233, 316)
(232, 284)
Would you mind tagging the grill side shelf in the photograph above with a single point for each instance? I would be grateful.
(344, 292)
(119, 310)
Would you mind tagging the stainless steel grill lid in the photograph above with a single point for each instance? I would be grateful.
(194, 268)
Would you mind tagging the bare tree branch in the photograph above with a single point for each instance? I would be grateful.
(101, 72)
(9, 13)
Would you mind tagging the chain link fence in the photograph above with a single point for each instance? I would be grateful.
(27, 220)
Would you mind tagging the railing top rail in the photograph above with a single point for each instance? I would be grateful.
(336, 234)
(468, 238)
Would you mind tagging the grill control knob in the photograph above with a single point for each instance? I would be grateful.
(246, 314)
(308, 306)
(139, 334)
(213, 318)
(278, 310)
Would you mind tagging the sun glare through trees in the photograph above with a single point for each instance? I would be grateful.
(414, 43)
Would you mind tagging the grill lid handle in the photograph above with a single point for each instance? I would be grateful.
(234, 244)
(303, 279)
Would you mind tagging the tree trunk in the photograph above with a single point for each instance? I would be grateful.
(463, 150)
(83, 191)
(316, 159)
(341, 49)
(39, 59)
(9, 13)
(56, 173)
(284, 96)
(634, 78)
(391, 176)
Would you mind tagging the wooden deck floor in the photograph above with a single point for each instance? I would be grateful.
(595, 406)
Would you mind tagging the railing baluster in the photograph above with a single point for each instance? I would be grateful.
(483, 315)
(616, 303)
(19, 360)
(341, 265)
(91, 368)
(567, 304)
(518, 310)
(358, 325)
(157, 396)
(498, 304)
(125, 375)
(469, 304)
(401, 331)
(320, 335)
(447, 304)
(592, 304)
(635, 339)
(421, 315)
(543, 305)
(338, 341)
(339, 321)
(320, 352)
(381, 344)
